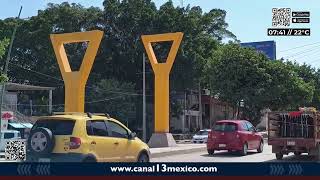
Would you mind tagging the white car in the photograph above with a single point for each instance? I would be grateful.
(8, 135)
(201, 136)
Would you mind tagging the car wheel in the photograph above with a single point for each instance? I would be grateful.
(210, 151)
(143, 158)
(297, 153)
(41, 141)
(260, 148)
(279, 156)
(244, 150)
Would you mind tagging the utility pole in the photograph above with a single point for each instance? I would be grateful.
(200, 106)
(5, 72)
(144, 127)
(184, 112)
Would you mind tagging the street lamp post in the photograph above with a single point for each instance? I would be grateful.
(144, 128)
(241, 105)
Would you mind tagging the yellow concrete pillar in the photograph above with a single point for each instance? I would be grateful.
(75, 81)
(161, 73)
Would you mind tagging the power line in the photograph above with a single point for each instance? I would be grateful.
(314, 61)
(87, 102)
(299, 47)
(33, 105)
(302, 52)
(95, 88)
(103, 100)
(38, 72)
(307, 57)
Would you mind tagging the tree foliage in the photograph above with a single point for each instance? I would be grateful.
(233, 73)
(121, 49)
(241, 74)
(3, 46)
(120, 105)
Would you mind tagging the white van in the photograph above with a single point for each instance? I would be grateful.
(8, 135)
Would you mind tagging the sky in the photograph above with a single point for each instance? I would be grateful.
(247, 19)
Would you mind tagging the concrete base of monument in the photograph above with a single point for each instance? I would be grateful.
(159, 140)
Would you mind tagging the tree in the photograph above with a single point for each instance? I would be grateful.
(238, 74)
(33, 60)
(287, 90)
(311, 76)
(3, 45)
(241, 74)
(110, 99)
(120, 53)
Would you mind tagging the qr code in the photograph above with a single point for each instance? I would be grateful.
(281, 16)
(15, 150)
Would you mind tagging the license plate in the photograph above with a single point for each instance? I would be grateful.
(44, 160)
(291, 143)
(222, 145)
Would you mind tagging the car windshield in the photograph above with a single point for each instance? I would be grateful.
(202, 133)
(58, 127)
(225, 127)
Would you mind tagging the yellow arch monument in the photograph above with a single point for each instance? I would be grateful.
(162, 137)
(75, 81)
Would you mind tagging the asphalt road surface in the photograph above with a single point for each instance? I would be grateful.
(224, 156)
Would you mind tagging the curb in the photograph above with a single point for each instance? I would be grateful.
(182, 151)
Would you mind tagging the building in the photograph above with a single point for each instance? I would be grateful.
(266, 47)
(21, 122)
(190, 119)
(214, 110)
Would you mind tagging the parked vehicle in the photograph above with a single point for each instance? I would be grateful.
(296, 132)
(8, 135)
(201, 136)
(234, 135)
(79, 137)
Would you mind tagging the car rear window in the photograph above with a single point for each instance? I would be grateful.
(58, 127)
(225, 127)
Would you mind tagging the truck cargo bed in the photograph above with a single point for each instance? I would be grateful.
(296, 132)
(293, 125)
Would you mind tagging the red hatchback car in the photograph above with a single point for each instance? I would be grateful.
(234, 135)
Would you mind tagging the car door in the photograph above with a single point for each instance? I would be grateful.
(121, 142)
(252, 136)
(99, 142)
(245, 133)
(257, 137)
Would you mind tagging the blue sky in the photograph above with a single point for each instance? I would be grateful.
(247, 19)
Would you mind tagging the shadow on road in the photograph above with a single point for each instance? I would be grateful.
(293, 158)
(227, 154)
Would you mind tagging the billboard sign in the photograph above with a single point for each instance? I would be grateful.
(266, 47)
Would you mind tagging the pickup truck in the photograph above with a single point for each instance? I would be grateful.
(294, 132)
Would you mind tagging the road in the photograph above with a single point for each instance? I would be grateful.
(224, 156)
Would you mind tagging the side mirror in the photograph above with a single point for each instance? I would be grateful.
(132, 135)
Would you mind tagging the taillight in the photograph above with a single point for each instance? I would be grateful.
(75, 143)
